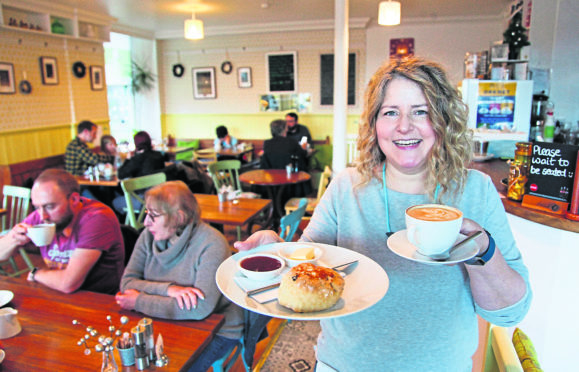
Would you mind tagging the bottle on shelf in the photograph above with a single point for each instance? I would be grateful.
(549, 127)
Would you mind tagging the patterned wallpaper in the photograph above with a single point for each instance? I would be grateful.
(67, 102)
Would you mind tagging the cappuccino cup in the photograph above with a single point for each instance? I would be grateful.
(433, 228)
(41, 234)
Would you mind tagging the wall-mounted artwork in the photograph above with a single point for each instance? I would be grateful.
(401, 48)
(49, 70)
(7, 85)
(244, 77)
(97, 79)
(204, 83)
(301, 102)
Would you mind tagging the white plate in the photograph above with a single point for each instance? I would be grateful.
(2, 355)
(399, 244)
(365, 286)
(480, 158)
(5, 297)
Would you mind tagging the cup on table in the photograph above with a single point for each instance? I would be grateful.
(222, 196)
(480, 147)
(288, 169)
(127, 355)
(9, 324)
(433, 228)
(41, 234)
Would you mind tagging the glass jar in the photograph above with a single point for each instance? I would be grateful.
(519, 170)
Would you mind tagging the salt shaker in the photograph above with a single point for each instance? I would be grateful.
(140, 341)
(147, 324)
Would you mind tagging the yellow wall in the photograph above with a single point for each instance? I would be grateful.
(41, 123)
(248, 126)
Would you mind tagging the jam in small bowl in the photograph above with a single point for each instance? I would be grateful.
(261, 266)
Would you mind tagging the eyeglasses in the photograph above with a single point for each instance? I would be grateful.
(153, 216)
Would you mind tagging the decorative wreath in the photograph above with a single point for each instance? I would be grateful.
(25, 87)
(226, 67)
(178, 70)
(79, 69)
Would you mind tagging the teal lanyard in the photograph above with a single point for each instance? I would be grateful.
(388, 229)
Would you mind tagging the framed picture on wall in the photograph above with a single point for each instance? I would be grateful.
(244, 77)
(49, 70)
(204, 83)
(7, 85)
(97, 79)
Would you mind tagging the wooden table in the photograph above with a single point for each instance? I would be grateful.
(2, 212)
(172, 151)
(275, 180)
(101, 181)
(230, 213)
(48, 341)
(234, 153)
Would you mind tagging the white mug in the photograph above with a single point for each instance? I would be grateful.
(41, 234)
(433, 228)
(9, 324)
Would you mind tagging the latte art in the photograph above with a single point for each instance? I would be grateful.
(434, 214)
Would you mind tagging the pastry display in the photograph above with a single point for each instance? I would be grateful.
(307, 288)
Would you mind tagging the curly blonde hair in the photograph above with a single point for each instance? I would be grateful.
(447, 114)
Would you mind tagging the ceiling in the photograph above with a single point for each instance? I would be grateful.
(163, 17)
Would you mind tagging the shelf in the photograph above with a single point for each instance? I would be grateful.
(57, 23)
(509, 61)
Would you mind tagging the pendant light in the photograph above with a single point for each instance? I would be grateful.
(389, 13)
(194, 28)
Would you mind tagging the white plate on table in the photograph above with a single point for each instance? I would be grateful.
(481, 158)
(365, 286)
(399, 244)
(5, 297)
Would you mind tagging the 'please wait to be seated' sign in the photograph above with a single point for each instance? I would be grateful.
(552, 170)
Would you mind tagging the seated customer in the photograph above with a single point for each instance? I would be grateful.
(109, 145)
(278, 151)
(87, 251)
(171, 273)
(145, 161)
(224, 140)
(297, 131)
(78, 156)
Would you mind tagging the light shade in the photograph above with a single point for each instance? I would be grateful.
(194, 29)
(389, 13)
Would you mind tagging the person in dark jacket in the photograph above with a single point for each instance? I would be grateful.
(145, 161)
(278, 151)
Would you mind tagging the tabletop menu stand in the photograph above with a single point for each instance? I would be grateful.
(545, 204)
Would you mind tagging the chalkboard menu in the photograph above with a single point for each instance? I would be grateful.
(327, 79)
(552, 170)
(281, 72)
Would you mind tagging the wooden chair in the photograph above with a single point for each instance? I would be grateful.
(290, 222)
(352, 152)
(292, 204)
(130, 188)
(500, 354)
(205, 156)
(225, 173)
(16, 202)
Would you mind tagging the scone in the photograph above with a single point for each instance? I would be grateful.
(307, 287)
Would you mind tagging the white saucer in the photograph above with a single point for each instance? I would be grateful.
(399, 244)
(479, 158)
(5, 297)
(2, 355)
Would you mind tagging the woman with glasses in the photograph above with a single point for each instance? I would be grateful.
(414, 149)
(171, 273)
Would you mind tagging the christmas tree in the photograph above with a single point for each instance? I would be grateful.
(516, 36)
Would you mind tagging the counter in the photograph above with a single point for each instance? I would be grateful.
(498, 169)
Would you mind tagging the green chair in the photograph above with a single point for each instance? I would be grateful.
(16, 202)
(187, 155)
(130, 188)
(290, 222)
(225, 173)
(292, 204)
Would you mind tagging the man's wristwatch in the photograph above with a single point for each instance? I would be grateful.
(32, 273)
(479, 259)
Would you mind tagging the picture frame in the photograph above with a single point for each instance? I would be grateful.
(204, 83)
(49, 70)
(244, 77)
(7, 84)
(97, 78)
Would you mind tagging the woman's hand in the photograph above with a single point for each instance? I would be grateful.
(258, 238)
(186, 296)
(469, 227)
(127, 299)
